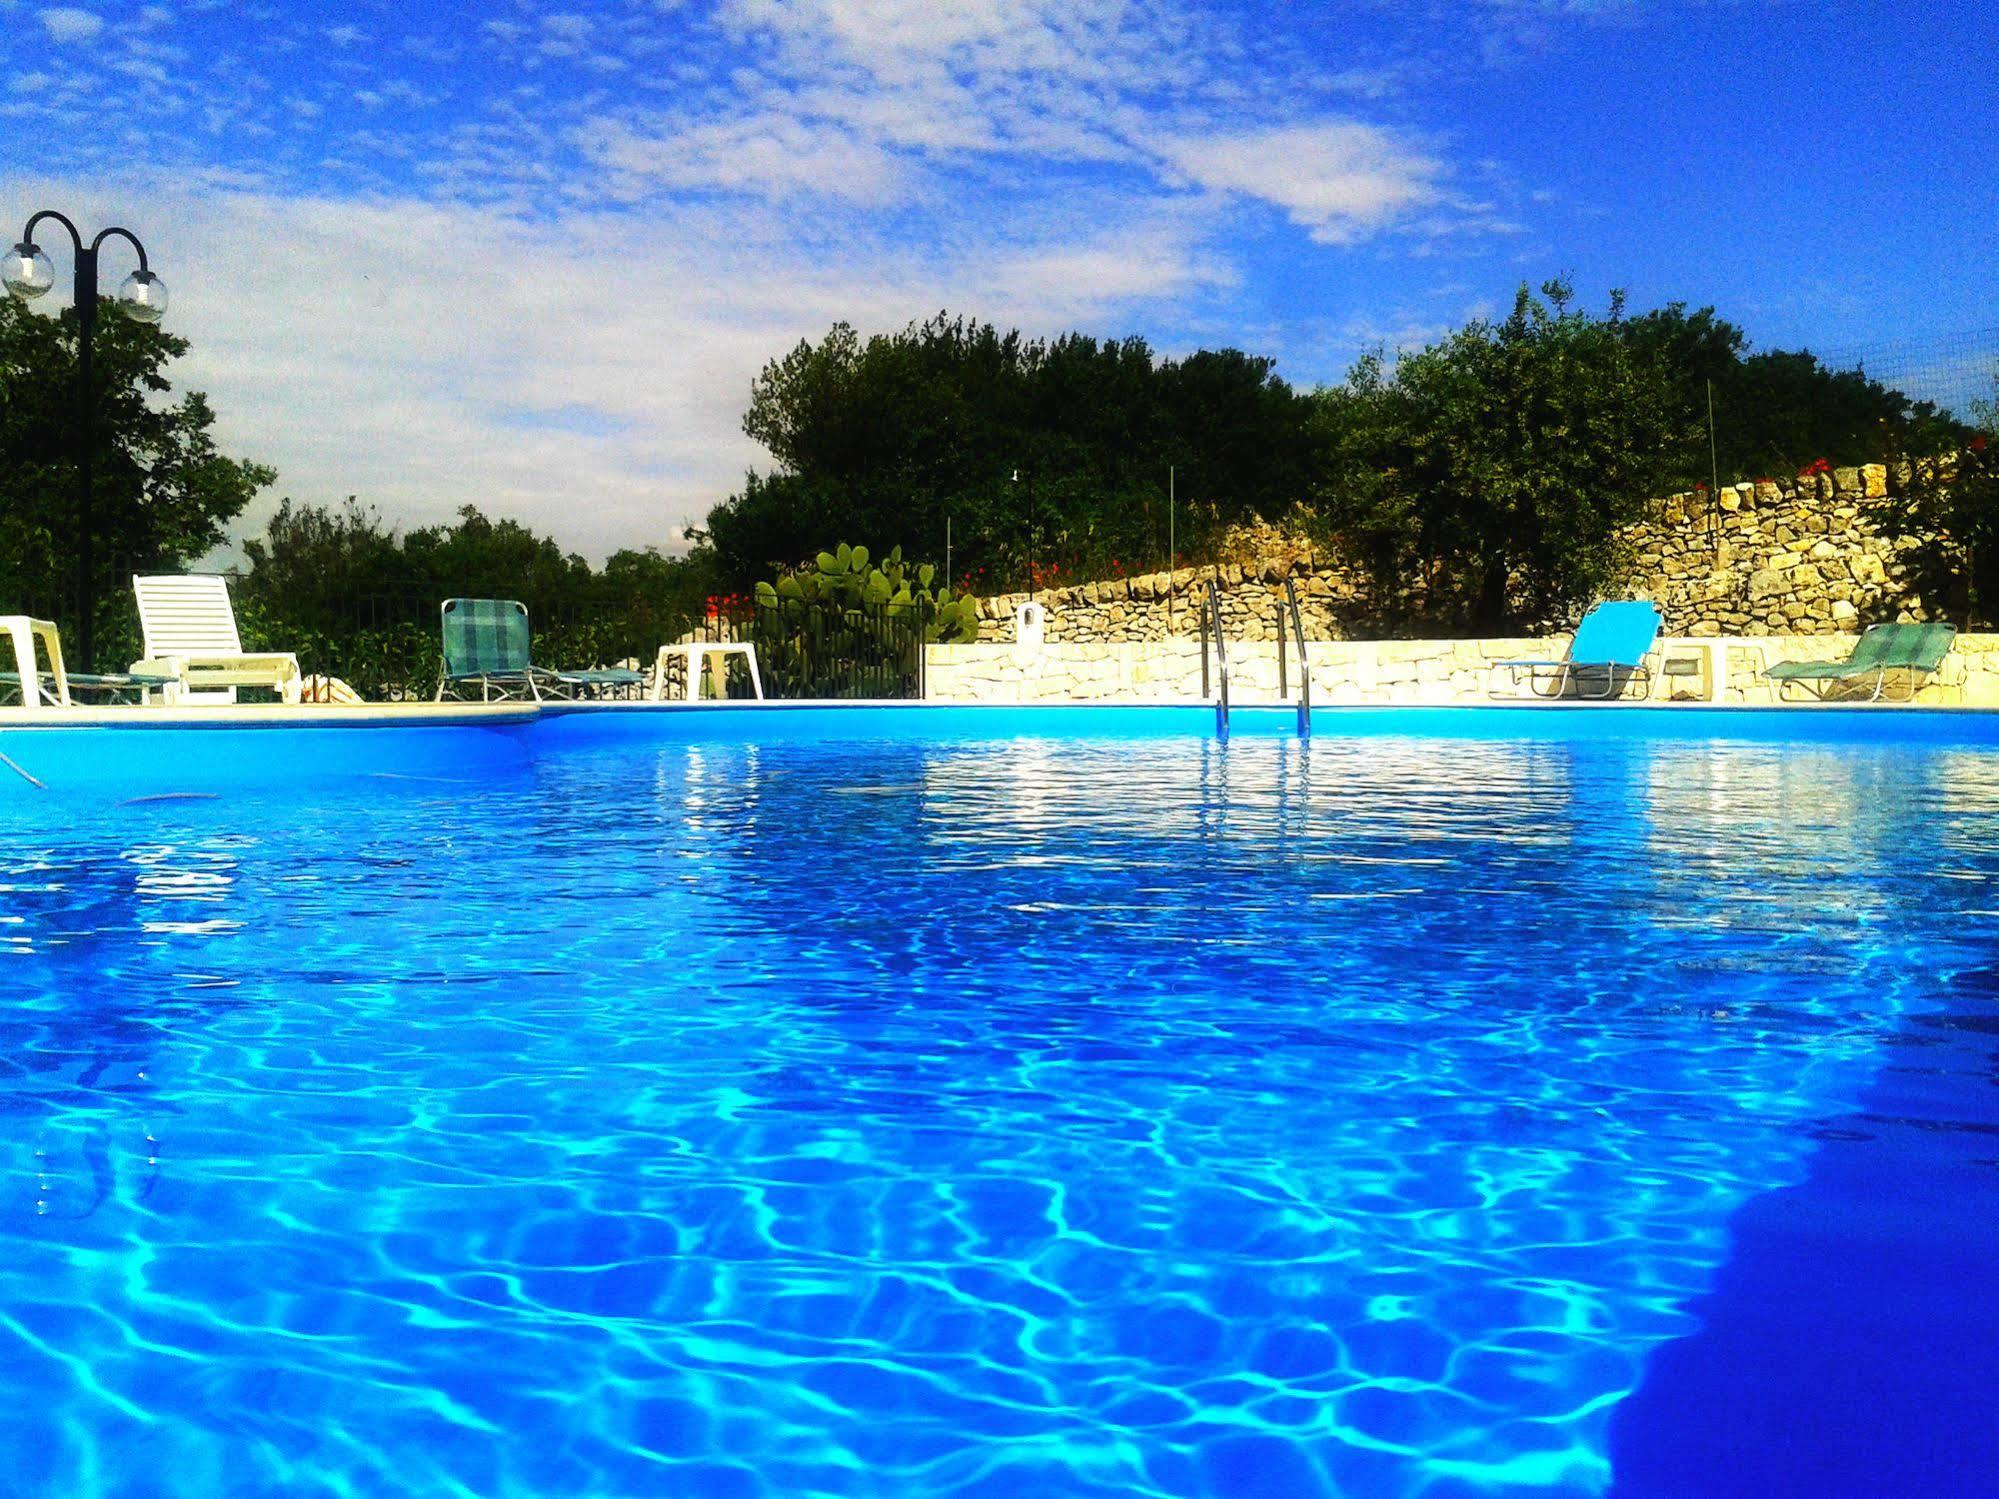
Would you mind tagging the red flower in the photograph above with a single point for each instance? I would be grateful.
(1978, 443)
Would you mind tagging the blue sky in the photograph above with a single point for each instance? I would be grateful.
(529, 256)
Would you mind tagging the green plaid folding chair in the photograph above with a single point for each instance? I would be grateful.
(487, 644)
(1910, 651)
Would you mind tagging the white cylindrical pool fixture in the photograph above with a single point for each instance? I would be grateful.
(1030, 622)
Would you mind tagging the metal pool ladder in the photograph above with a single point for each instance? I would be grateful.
(1211, 623)
(1291, 625)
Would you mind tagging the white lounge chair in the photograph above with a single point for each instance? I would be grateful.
(190, 630)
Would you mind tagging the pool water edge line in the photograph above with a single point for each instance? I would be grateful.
(522, 715)
(271, 716)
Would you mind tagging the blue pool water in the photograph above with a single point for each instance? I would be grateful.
(593, 1111)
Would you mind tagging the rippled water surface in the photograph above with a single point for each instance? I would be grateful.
(1045, 1118)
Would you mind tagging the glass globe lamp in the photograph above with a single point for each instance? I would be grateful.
(143, 296)
(27, 272)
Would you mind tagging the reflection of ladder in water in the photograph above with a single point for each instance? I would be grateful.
(78, 1164)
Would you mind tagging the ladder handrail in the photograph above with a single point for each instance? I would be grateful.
(1297, 624)
(1212, 620)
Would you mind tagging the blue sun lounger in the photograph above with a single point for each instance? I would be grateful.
(486, 645)
(1608, 653)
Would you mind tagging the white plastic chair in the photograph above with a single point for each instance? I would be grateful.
(190, 630)
(22, 632)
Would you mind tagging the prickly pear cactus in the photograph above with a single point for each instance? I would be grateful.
(846, 625)
(845, 579)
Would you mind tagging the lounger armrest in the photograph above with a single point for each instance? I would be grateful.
(196, 672)
(272, 661)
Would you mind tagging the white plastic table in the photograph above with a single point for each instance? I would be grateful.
(1698, 657)
(22, 630)
(700, 653)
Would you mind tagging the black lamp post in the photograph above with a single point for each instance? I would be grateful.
(143, 297)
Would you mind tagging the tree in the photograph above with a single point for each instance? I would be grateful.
(1776, 409)
(163, 492)
(1483, 480)
(1779, 409)
(308, 550)
(1947, 502)
(1038, 454)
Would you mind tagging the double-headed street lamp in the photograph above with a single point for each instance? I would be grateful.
(143, 297)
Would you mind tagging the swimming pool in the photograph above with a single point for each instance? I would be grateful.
(680, 1104)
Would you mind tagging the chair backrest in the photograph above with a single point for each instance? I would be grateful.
(485, 637)
(1616, 633)
(187, 615)
(1915, 647)
(1876, 646)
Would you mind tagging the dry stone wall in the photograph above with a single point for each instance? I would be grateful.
(1805, 556)
(1160, 605)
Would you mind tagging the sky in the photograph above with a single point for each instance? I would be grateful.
(529, 257)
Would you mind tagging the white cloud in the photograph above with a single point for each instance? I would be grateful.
(1072, 282)
(565, 35)
(1336, 179)
(773, 154)
(67, 23)
(882, 102)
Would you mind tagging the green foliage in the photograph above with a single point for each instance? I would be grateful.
(1779, 409)
(162, 493)
(358, 601)
(1039, 454)
(1481, 481)
(1946, 500)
